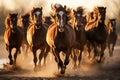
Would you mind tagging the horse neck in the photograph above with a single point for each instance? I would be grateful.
(101, 23)
(61, 34)
(26, 25)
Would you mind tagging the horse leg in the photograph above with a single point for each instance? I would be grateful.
(57, 58)
(66, 62)
(95, 53)
(112, 49)
(60, 63)
(15, 55)
(74, 58)
(103, 46)
(46, 53)
(35, 57)
(89, 50)
(109, 48)
(41, 56)
(10, 55)
(80, 57)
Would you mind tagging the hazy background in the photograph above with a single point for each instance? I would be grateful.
(24, 6)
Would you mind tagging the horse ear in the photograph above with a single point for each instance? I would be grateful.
(33, 7)
(52, 7)
(9, 14)
(74, 11)
(16, 14)
(41, 8)
(64, 6)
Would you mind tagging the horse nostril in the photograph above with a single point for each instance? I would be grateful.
(61, 29)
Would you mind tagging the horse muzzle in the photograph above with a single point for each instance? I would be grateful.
(38, 26)
(61, 29)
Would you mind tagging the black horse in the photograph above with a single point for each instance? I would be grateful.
(112, 36)
(97, 36)
(13, 36)
(60, 36)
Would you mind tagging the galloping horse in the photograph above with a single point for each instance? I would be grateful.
(24, 22)
(48, 20)
(60, 36)
(13, 36)
(98, 34)
(81, 39)
(36, 36)
(112, 36)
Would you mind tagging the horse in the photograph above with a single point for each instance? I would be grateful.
(112, 35)
(60, 36)
(36, 36)
(13, 36)
(48, 20)
(97, 35)
(81, 39)
(24, 23)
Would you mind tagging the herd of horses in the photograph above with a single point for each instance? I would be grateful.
(65, 31)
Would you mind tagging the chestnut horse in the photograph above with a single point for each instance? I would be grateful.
(97, 35)
(81, 39)
(24, 22)
(60, 36)
(112, 36)
(13, 36)
(36, 36)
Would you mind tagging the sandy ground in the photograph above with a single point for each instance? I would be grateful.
(108, 70)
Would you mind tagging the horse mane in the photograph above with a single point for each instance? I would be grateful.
(32, 11)
(27, 15)
(7, 22)
(80, 10)
(7, 19)
(109, 26)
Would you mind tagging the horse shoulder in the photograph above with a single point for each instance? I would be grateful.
(71, 34)
(30, 33)
(51, 34)
(7, 35)
(45, 26)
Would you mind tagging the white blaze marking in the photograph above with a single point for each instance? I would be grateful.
(37, 13)
(61, 14)
(113, 22)
(78, 14)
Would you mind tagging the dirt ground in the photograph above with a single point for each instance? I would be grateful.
(108, 70)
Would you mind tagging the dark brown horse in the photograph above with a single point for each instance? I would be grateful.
(36, 36)
(98, 34)
(24, 22)
(112, 36)
(60, 36)
(13, 36)
(81, 39)
(48, 20)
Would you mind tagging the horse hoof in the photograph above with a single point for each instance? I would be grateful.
(98, 60)
(11, 62)
(63, 70)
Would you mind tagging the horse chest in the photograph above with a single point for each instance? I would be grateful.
(39, 38)
(61, 41)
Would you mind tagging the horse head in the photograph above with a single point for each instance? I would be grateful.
(36, 17)
(48, 20)
(11, 21)
(102, 13)
(24, 20)
(79, 19)
(60, 16)
(113, 23)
